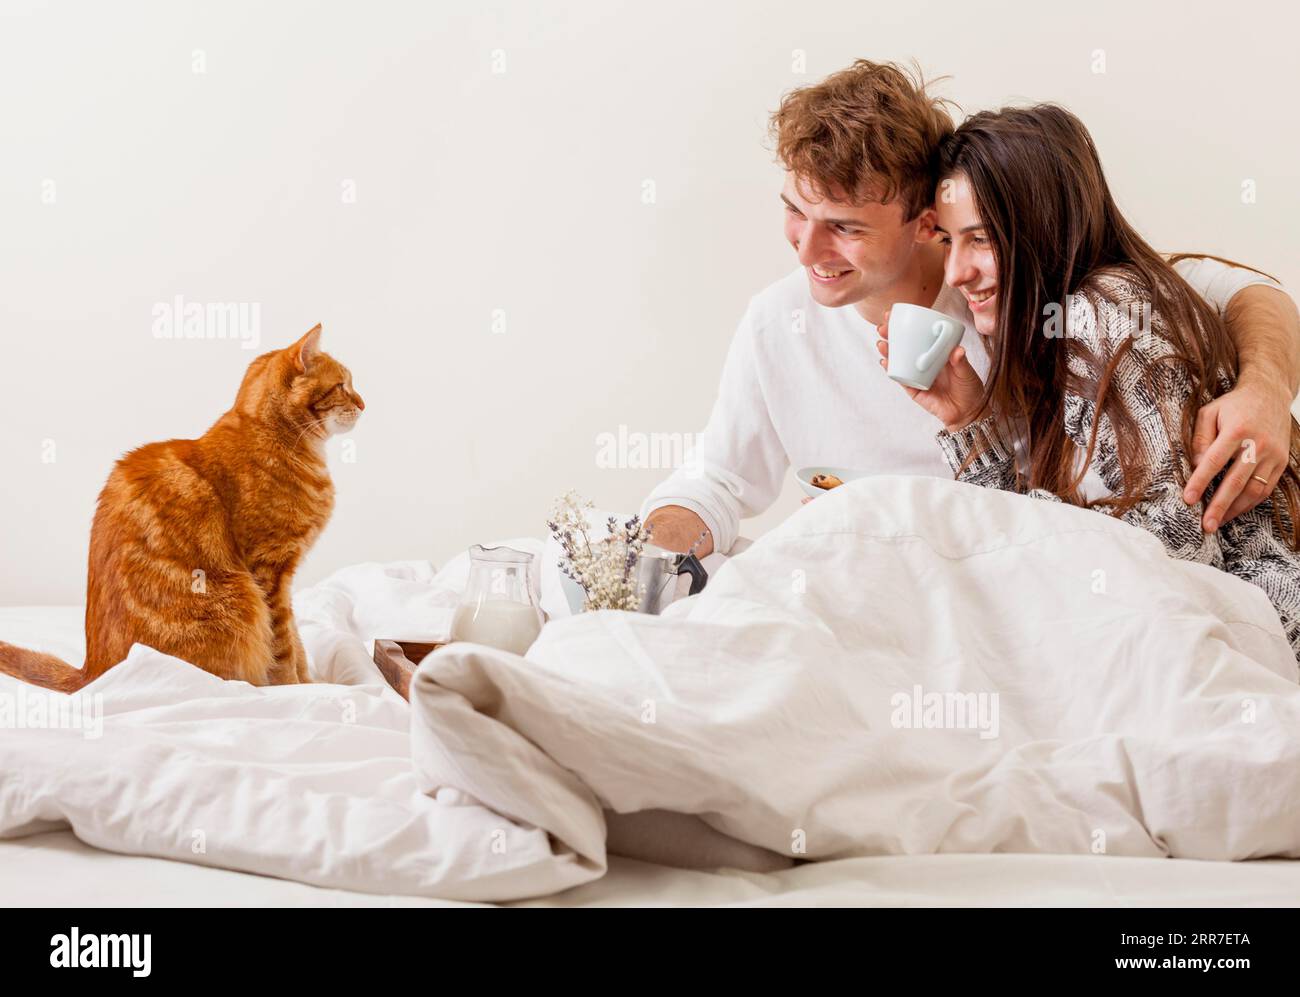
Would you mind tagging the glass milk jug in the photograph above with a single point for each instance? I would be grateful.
(497, 608)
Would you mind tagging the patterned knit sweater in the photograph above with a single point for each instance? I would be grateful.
(1249, 546)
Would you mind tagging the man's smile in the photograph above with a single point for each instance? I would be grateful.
(824, 274)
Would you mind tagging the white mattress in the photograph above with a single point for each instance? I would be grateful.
(56, 870)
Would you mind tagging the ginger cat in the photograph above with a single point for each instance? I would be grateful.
(195, 542)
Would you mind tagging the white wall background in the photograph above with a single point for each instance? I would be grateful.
(519, 191)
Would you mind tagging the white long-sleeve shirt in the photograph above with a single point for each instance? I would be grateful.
(802, 386)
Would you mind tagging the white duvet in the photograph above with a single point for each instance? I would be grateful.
(906, 665)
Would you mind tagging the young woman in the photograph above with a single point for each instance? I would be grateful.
(1100, 354)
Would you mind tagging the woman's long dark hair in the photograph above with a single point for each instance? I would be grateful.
(1055, 229)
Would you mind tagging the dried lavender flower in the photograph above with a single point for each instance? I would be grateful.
(603, 568)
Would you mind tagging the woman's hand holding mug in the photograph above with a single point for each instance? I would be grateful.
(955, 395)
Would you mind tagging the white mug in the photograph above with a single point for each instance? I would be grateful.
(920, 342)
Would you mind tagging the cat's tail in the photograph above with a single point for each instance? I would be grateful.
(40, 669)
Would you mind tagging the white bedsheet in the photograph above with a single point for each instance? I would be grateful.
(312, 783)
(1148, 710)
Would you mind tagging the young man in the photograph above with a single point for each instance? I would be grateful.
(802, 384)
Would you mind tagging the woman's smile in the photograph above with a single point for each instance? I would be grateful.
(981, 300)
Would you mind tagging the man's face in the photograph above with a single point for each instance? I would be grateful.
(851, 253)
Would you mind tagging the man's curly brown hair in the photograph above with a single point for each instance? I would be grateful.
(866, 133)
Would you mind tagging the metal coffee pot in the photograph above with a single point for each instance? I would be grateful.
(657, 571)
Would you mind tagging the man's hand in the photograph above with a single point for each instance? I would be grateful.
(1250, 425)
(676, 528)
(1249, 428)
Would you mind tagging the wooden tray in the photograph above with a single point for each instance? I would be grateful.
(397, 660)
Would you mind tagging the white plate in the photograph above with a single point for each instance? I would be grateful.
(845, 474)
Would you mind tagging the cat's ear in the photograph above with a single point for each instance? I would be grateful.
(306, 350)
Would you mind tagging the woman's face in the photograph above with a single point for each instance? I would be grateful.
(969, 265)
